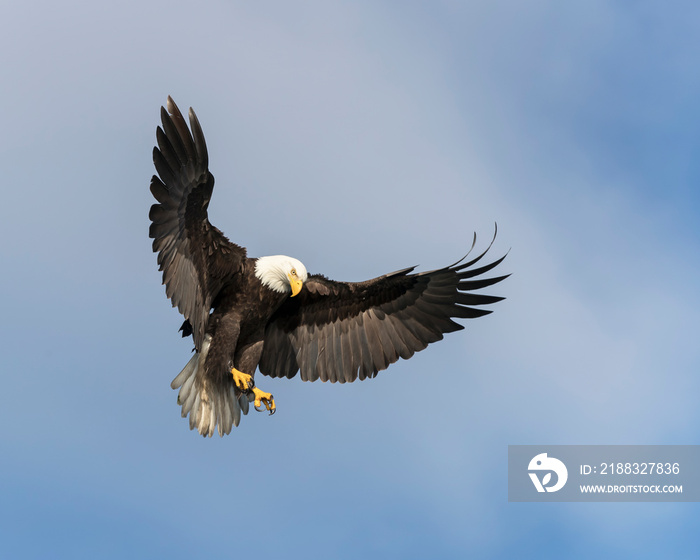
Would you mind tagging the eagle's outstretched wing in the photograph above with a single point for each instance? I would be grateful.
(337, 331)
(195, 257)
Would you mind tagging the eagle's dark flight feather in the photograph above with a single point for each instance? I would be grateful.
(339, 331)
(197, 260)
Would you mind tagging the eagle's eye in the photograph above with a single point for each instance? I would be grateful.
(293, 272)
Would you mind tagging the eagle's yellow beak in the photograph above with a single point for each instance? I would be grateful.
(295, 283)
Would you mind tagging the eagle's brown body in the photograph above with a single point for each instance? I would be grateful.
(237, 324)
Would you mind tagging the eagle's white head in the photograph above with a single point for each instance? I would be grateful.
(281, 274)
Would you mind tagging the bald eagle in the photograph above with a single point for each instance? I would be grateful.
(269, 313)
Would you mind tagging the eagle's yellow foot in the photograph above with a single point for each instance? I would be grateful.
(261, 397)
(242, 380)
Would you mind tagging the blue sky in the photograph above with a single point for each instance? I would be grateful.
(359, 137)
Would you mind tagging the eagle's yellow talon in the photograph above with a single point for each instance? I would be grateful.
(263, 398)
(242, 380)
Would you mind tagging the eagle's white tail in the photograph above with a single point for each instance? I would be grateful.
(208, 404)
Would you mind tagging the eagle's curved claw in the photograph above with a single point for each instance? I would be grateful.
(263, 398)
(242, 380)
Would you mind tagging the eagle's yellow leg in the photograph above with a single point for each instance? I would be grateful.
(261, 397)
(242, 380)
